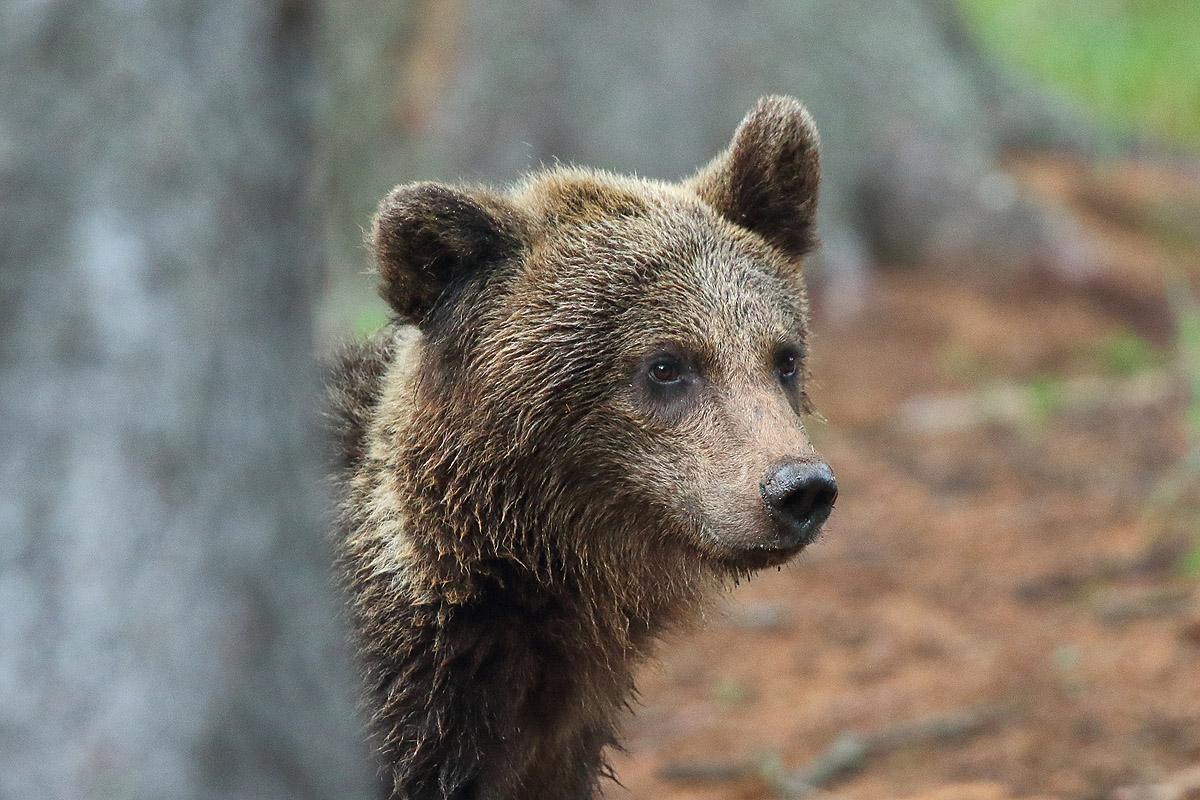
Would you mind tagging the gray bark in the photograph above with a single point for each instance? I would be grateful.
(913, 117)
(167, 620)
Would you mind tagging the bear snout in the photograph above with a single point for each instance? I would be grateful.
(799, 495)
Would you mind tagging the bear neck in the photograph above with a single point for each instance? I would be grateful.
(615, 603)
(496, 665)
(536, 672)
(515, 674)
(541, 643)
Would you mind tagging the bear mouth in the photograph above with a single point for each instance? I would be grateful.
(755, 560)
(786, 544)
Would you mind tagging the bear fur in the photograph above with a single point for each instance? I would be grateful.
(586, 417)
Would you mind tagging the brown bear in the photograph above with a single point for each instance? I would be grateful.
(586, 416)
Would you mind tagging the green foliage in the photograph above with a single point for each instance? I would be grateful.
(1187, 315)
(1045, 398)
(369, 319)
(1125, 354)
(1190, 563)
(1133, 61)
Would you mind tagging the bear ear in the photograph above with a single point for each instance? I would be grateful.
(766, 181)
(427, 236)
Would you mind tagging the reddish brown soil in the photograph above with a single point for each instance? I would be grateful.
(982, 567)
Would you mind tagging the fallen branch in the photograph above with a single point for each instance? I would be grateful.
(1157, 559)
(1174, 220)
(1123, 605)
(849, 752)
(702, 772)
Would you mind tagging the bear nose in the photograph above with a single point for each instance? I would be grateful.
(800, 494)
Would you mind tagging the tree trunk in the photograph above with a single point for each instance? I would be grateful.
(167, 621)
(913, 117)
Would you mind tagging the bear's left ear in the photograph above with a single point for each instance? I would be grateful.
(427, 236)
(766, 181)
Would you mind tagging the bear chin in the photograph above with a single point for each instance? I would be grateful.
(782, 545)
(757, 558)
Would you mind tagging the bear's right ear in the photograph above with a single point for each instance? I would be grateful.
(767, 180)
(427, 236)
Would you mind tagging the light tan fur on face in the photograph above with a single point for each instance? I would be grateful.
(388, 532)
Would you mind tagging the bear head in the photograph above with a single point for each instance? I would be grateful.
(611, 371)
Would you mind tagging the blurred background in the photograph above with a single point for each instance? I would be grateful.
(1006, 603)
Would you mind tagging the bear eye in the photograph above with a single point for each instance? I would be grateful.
(787, 365)
(666, 370)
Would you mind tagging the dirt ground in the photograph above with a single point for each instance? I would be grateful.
(996, 608)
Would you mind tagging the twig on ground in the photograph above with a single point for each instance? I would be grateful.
(1157, 559)
(1122, 605)
(849, 752)
(1175, 220)
(699, 772)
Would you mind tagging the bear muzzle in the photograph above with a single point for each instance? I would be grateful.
(799, 496)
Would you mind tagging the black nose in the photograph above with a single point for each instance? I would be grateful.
(800, 494)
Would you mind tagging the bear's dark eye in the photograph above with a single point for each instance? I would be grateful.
(666, 370)
(667, 383)
(787, 365)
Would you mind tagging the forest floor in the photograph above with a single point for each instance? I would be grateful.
(997, 608)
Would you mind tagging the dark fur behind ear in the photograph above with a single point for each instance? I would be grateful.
(767, 179)
(426, 236)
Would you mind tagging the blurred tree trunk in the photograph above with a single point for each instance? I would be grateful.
(913, 116)
(167, 621)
